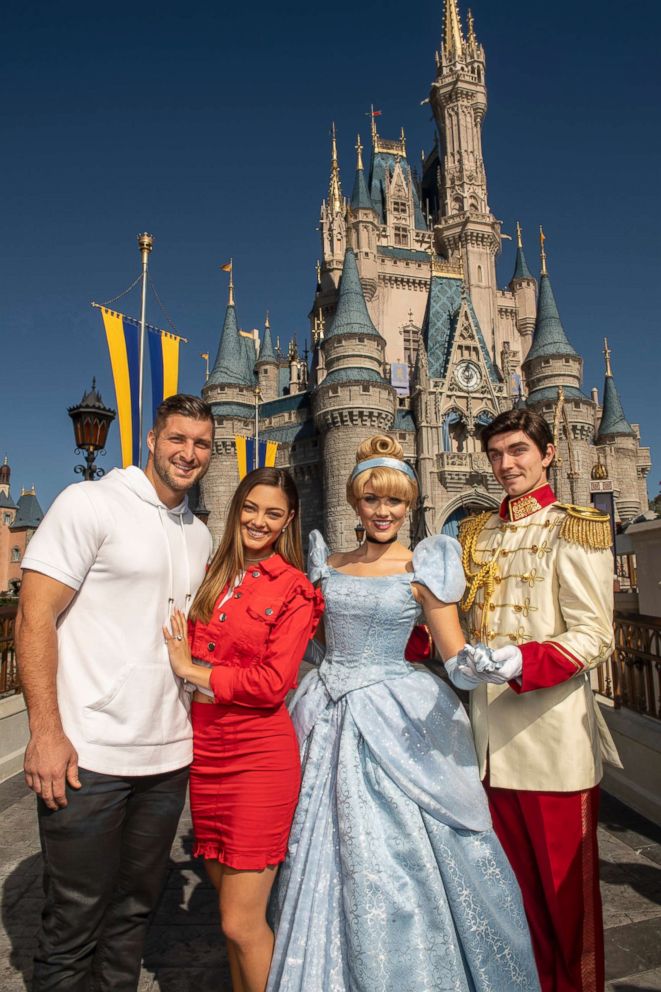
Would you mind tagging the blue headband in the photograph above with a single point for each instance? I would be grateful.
(384, 463)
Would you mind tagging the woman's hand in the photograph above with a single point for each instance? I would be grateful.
(177, 642)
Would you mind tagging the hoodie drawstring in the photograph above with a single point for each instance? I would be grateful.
(170, 568)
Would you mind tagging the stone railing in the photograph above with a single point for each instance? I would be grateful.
(9, 683)
(632, 676)
(463, 461)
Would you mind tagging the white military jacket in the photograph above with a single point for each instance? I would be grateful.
(540, 575)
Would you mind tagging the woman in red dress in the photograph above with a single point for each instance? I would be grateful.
(245, 638)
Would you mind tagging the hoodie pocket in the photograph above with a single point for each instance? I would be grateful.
(144, 706)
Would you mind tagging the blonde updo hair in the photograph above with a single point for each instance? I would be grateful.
(382, 480)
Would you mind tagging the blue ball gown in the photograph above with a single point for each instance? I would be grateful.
(394, 880)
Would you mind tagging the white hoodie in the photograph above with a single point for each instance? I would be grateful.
(130, 560)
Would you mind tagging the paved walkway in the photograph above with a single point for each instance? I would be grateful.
(184, 952)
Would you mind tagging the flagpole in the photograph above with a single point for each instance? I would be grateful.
(145, 244)
(255, 456)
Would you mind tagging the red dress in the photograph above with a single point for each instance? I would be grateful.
(245, 775)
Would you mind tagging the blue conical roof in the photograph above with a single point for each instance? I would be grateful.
(267, 352)
(549, 339)
(351, 316)
(360, 197)
(613, 420)
(29, 513)
(249, 357)
(230, 365)
(521, 270)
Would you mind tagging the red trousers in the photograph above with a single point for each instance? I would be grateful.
(550, 839)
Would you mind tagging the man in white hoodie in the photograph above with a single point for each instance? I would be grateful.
(110, 738)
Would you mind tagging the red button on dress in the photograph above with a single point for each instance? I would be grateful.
(245, 775)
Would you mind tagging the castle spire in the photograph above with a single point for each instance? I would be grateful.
(334, 186)
(230, 366)
(266, 352)
(471, 40)
(613, 420)
(360, 197)
(521, 270)
(351, 315)
(549, 338)
(542, 250)
(453, 39)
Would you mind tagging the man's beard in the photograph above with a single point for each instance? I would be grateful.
(164, 471)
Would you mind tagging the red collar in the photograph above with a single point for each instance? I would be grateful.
(518, 507)
(273, 565)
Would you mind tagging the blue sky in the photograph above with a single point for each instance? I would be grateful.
(207, 125)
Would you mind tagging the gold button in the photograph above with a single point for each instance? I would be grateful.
(504, 553)
(498, 580)
(534, 549)
(492, 606)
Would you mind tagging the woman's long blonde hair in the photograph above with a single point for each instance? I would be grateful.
(228, 562)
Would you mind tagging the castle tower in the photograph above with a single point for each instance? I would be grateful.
(353, 402)
(363, 228)
(267, 366)
(619, 444)
(553, 373)
(5, 476)
(524, 287)
(230, 389)
(465, 229)
(332, 221)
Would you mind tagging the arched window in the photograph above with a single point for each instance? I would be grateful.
(479, 273)
(15, 554)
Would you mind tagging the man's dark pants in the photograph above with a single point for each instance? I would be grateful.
(105, 857)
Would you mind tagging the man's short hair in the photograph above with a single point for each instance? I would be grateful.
(532, 424)
(184, 406)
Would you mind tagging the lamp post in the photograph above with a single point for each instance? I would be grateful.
(91, 423)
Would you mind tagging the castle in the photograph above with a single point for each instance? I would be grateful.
(410, 334)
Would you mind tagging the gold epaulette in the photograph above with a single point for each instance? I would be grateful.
(586, 526)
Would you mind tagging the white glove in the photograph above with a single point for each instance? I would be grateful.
(510, 660)
(461, 677)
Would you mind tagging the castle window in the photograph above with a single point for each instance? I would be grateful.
(6, 518)
(479, 273)
(410, 344)
(364, 388)
(401, 236)
(400, 208)
(15, 554)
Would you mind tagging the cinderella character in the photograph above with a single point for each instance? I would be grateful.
(394, 880)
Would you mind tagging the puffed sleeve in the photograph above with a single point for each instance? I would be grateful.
(267, 684)
(318, 553)
(437, 565)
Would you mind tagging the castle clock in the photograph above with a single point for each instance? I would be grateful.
(468, 375)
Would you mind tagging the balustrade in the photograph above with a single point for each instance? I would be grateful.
(9, 681)
(632, 676)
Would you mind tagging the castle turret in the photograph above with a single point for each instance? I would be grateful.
(230, 389)
(553, 373)
(363, 227)
(333, 219)
(267, 366)
(5, 476)
(619, 444)
(524, 287)
(465, 229)
(353, 402)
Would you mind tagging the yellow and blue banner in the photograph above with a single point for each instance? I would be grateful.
(245, 454)
(122, 335)
(164, 361)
